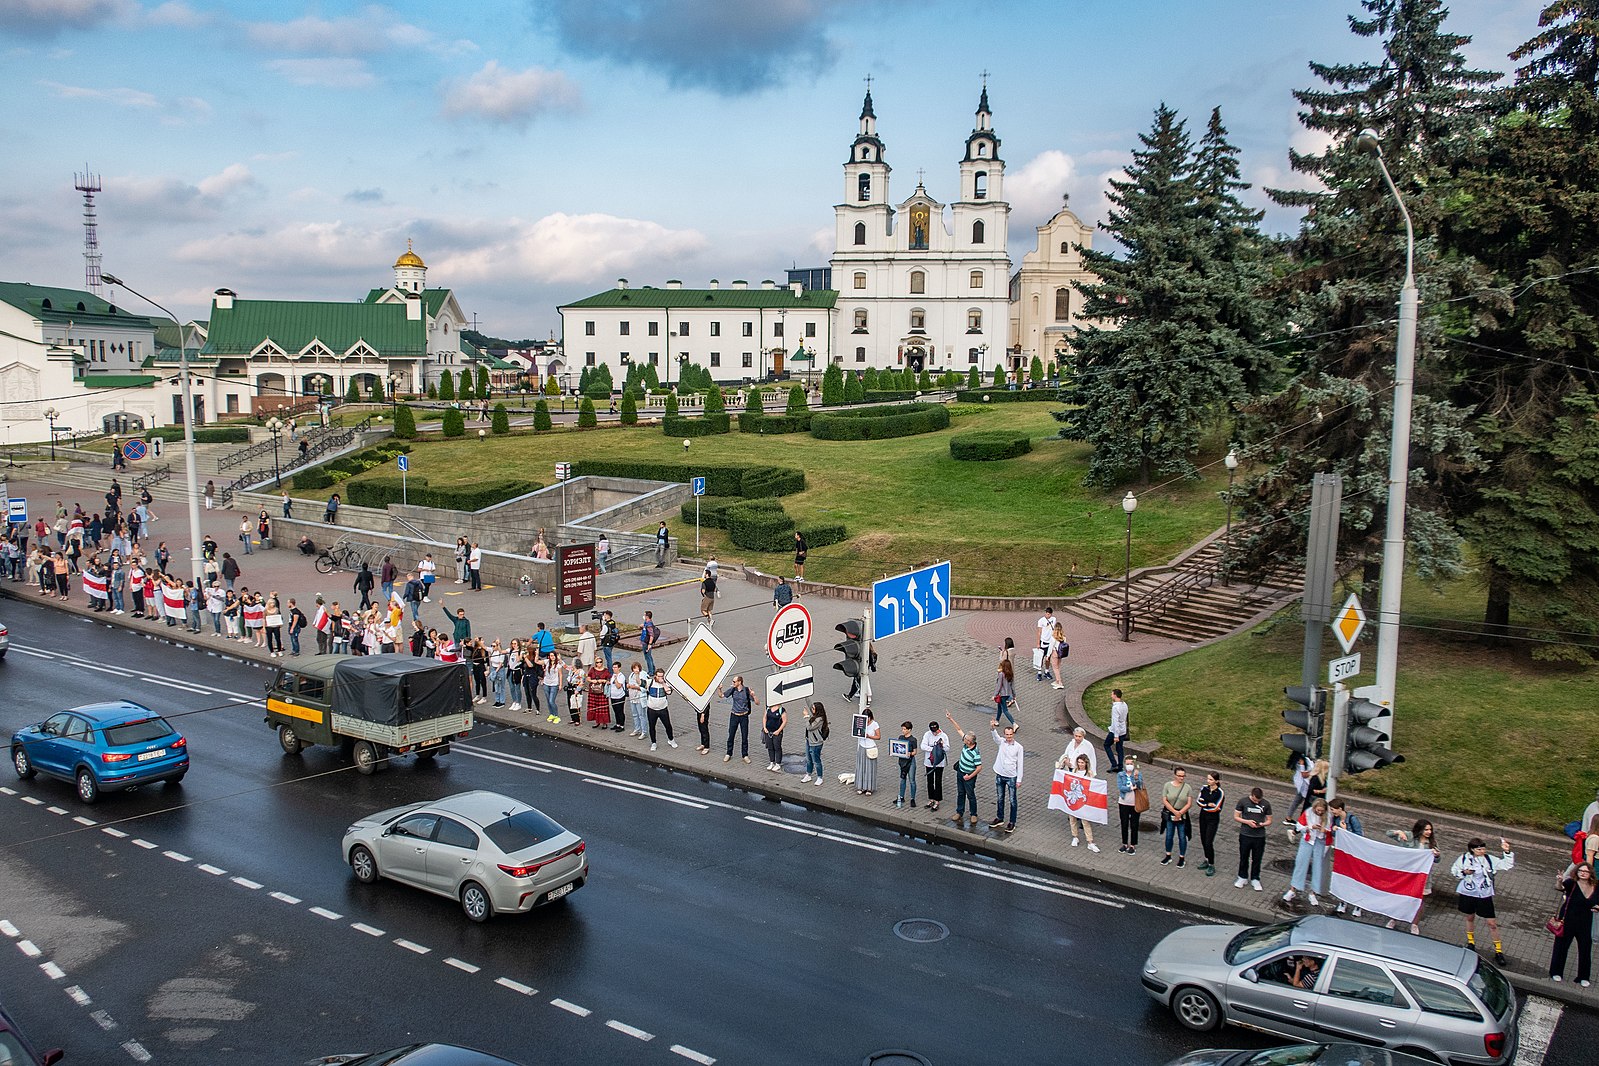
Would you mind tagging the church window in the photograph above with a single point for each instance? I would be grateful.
(588, 329)
(918, 319)
(972, 355)
(624, 327)
(716, 329)
(810, 329)
(860, 355)
(749, 360)
(777, 328)
(974, 321)
(749, 329)
(588, 358)
(977, 279)
(866, 153)
(716, 358)
(860, 233)
(977, 232)
(682, 329)
(980, 185)
(860, 319)
(655, 329)
(1063, 247)
(1063, 304)
(446, 327)
(655, 357)
(982, 149)
(864, 188)
(860, 279)
(918, 282)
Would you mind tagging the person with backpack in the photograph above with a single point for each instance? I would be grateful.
(411, 594)
(783, 594)
(610, 637)
(649, 635)
(816, 733)
(1476, 870)
(934, 747)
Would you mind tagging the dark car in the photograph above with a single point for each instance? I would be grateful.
(1302, 1055)
(102, 746)
(417, 1055)
(16, 1051)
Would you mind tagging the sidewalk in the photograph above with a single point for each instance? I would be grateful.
(947, 667)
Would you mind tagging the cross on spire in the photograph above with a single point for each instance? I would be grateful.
(919, 173)
(868, 83)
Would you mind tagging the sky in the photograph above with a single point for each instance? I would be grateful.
(536, 151)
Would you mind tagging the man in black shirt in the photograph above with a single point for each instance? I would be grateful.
(1253, 815)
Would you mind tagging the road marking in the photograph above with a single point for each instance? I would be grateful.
(81, 820)
(136, 1049)
(177, 856)
(145, 844)
(110, 832)
(103, 1020)
(29, 948)
(514, 986)
(56, 810)
(284, 897)
(361, 927)
(7, 791)
(79, 996)
(782, 825)
(643, 792)
(214, 871)
(467, 967)
(1539, 1017)
(241, 699)
(692, 1055)
(855, 843)
(33, 800)
(571, 1008)
(7, 928)
(175, 684)
(622, 1027)
(519, 763)
(323, 912)
(411, 945)
(1113, 904)
(820, 834)
(52, 971)
(245, 882)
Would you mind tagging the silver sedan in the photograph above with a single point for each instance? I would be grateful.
(492, 853)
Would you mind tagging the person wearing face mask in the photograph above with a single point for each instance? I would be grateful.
(816, 733)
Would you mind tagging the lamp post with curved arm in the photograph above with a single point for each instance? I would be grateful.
(50, 415)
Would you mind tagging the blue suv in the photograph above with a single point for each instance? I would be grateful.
(101, 746)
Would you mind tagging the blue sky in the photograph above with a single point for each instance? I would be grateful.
(537, 150)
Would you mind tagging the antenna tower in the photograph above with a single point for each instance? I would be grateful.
(89, 184)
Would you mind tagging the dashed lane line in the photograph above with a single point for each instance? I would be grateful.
(113, 832)
(79, 996)
(33, 800)
(29, 948)
(571, 1008)
(362, 927)
(214, 871)
(632, 1031)
(177, 856)
(465, 967)
(8, 929)
(56, 810)
(81, 820)
(245, 882)
(646, 793)
(136, 1049)
(692, 1055)
(411, 945)
(1038, 886)
(52, 971)
(323, 912)
(284, 897)
(145, 844)
(103, 1020)
(4, 791)
(514, 986)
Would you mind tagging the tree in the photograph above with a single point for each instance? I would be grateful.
(714, 403)
(651, 379)
(796, 401)
(500, 424)
(832, 385)
(583, 380)
(353, 393)
(974, 378)
(1035, 372)
(869, 380)
(454, 423)
(541, 417)
(375, 391)
(754, 403)
(463, 388)
(483, 381)
(432, 391)
(552, 387)
(999, 376)
(404, 422)
(446, 385)
(854, 392)
(629, 411)
(671, 405)
(586, 418)
(924, 383)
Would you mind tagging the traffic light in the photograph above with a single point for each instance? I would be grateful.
(853, 646)
(1369, 735)
(1309, 715)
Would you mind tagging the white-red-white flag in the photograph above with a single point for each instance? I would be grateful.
(1383, 878)
(95, 586)
(1080, 796)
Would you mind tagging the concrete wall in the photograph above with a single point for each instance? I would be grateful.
(499, 568)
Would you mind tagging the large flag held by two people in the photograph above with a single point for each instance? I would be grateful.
(1382, 878)
(1080, 796)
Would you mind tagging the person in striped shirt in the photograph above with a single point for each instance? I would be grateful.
(967, 767)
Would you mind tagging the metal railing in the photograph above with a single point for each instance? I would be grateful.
(1200, 572)
(330, 440)
(154, 476)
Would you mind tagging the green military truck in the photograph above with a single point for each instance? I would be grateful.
(373, 706)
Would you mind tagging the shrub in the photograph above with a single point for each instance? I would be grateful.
(315, 478)
(447, 386)
(677, 426)
(888, 395)
(382, 491)
(483, 381)
(586, 418)
(454, 422)
(854, 392)
(597, 391)
(974, 378)
(500, 424)
(989, 445)
(832, 385)
(871, 423)
(433, 391)
(629, 409)
(796, 400)
(713, 508)
(211, 435)
(541, 417)
(1004, 395)
(754, 404)
(757, 423)
(464, 389)
(404, 422)
(715, 403)
(759, 528)
(762, 482)
(1035, 372)
(353, 393)
(671, 405)
(869, 380)
(924, 383)
(719, 480)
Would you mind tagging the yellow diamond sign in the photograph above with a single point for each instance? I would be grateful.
(700, 667)
(1347, 623)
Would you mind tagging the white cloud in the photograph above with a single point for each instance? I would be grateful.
(47, 18)
(176, 15)
(510, 97)
(326, 73)
(1034, 189)
(233, 178)
(371, 30)
(311, 248)
(163, 200)
(122, 96)
(569, 249)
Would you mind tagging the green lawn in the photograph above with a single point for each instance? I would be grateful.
(1484, 732)
(1023, 525)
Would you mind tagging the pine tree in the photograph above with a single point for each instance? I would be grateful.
(353, 393)
(446, 385)
(375, 391)
(796, 401)
(500, 423)
(924, 382)
(754, 403)
(652, 380)
(464, 389)
(542, 423)
(432, 391)
(629, 409)
(454, 423)
(999, 376)
(1035, 372)
(869, 380)
(483, 381)
(853, 390)
(583, 380)
(714, 403)
(974, 378)
(671, 405)
(552, 387)
(832, 385)
(586, 418)
(404, 423)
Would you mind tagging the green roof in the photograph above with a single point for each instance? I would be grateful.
(164, 356)
(432, 299)
(649, 299)
(117, 381)
(294, 324)
(50, 304)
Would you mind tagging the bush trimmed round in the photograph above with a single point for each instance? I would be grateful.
(989, 445)
(879, 423)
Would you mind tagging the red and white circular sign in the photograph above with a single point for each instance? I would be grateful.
(790, 635)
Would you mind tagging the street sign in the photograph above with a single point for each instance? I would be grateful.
(697, 486)
(17, 510)
(789, 635)
(1343, 669)
(700, 667)
(134, 450)
(155, 446)
(574, 568)
(910, 600)
(1348, 622)
(790, 685)
(563, 471)
(405, 463)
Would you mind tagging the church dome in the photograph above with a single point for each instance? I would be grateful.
(410, 259)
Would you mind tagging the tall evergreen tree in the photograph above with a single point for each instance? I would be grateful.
(483, 381)
(446, 385)
(854, 391)
(832, 385)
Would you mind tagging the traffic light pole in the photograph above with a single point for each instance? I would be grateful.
(866, 659)
(1338, 739)
(1321, 554)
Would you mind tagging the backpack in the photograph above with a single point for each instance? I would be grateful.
(610, 638)
(1065, 649)
(1578, 847)
(647, 635)
(936, 756)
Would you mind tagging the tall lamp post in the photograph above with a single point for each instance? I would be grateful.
(274, 426)
(1393, 541)
(51, 414)
(1227, 543)
(1129, 504)
(394, 396)
(196, 563)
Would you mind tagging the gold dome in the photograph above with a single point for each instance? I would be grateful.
(410, 258)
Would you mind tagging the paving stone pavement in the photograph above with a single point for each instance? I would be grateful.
(947, 667)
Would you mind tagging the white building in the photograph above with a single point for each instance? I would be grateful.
(1046, 308)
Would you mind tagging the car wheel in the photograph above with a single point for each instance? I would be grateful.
(88, 787)
(1196, 1009)
(366, 757)
(475, 902)
(290, 740)
(426, 754)
(176, 782)
(21, 763)
(363, 864)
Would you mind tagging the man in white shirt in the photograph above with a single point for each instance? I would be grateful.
(1116, 735)
(474, 565)
(1046, 637)
(1007, 774)
(1078, 745)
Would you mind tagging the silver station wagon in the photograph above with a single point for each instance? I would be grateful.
(1323, 978)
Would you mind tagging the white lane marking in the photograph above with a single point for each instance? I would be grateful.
(571, 1008)
(33, 800)
(7, 928)
(466, 967)
(1113, 904)
(182, 687)
(81, 820)
(20, 650)
(284, 897)
(411, 945)
(623, 1027)
(79, 996)
(136, 1049)
(41, 653)
(110, 832)
(519, 763)
(214, 871)
(241, 699)
(822, 834)
(29, 948)
(323, 912)
(245, 882)
(514, 986)
(7, 791)
(1539, 1017)
(361, 927)
(145, 844)
(56, 810)
(782, 825)
(52, 971)
(177, 856)
(692, 1055)
(643, 792)
(103, 1020)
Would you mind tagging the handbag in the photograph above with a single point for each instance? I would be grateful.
(1140, 799)
(1557, 924)
(871, 752)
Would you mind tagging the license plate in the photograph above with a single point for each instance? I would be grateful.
(557, 893)
(156, 754)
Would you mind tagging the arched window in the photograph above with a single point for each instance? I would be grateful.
(977, 279)
(860, 279)
(860, 233)
(864, 185)
(974, 321)
(982, 149)
(1063, 247)
(918, 319)
(866, 153)
(1063, 305)
(860, 319)
(980, 185)
(860, 355)
(977, 232)
(918, 282)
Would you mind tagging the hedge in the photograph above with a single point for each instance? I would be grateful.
(879, 423)
(989, 445)
(887, 396)
(380, 492)
(1004, 395)
(214, 435)
(758, 423)
(315, 478)
(704, 426)
(712, 509)
(719, 480)
(766, 482)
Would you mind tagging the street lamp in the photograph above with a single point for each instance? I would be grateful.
(51, 414)
(394, 395)
(1393, 542)
(1129, 504)
(274, 426)
(1227, 544)
(196, 563)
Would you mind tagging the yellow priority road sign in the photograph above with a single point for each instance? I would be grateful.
(1348, 622)
(700, 667)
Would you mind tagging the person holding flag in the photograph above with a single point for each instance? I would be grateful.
(1388, 879)
(1084, 797)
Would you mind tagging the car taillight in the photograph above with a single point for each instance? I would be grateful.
(533, 868)
(112, 756)
(580, 849)
(1494, 1044)
(181, 742)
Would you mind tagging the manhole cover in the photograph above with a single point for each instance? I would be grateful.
(919, 931)
(896, 1058)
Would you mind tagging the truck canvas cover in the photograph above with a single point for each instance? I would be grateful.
(399, 690)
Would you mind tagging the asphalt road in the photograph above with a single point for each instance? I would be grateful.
(215, 922)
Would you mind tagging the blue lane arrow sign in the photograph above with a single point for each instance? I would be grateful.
(910, 601)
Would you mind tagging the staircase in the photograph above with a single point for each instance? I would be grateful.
(1187, 600)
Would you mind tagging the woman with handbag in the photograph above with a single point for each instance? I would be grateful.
(1314, 833)
(1575, 922)
(866, 757)
(1132, 800)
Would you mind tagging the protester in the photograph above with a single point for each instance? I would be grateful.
(1176, 800)
(816, 733)
(934, 747)
(1128, 783)
(1253, 815)
(1575, 923)
(1007, 775)
(1082, 768)
(967, 767)
(866, 756)
(1476, 870)
(1210, 801)
(1314, 833)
